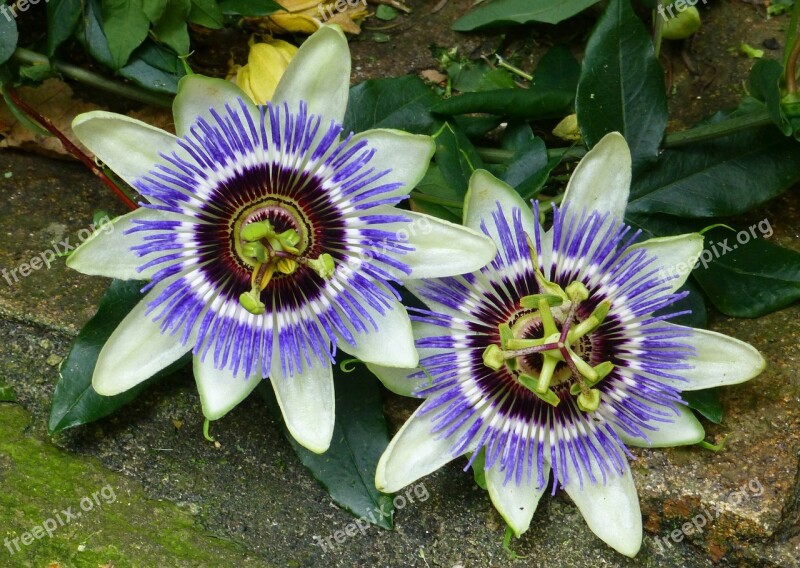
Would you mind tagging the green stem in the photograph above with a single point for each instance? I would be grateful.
(29, 57)
(791, 38)
(673, 140)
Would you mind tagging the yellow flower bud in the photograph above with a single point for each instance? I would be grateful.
(568, 129)
(266, 64)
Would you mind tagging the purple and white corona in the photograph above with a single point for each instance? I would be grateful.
(268, 240)
(551, 359)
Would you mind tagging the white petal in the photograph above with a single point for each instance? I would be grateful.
(720, 360)
(198, 94)
(219, 390)
(611, 510)
(484, 193)
(319, 74)
(136, 351)
(108, 251)
(414, 452)
(406, 155)
(685, 430)
(441, 248)
(675, 257)
(515, 503)
(396, 379)
(414, 286)
(392, 345)
(307, 401)
(129, 147)
(602, 180)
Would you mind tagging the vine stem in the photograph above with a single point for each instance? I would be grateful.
(83, 76)
(48, 125)
(791, 68)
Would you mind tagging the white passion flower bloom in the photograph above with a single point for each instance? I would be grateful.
(268, 240)
(551, 360)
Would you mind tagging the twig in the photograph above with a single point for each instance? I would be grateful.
(48, 125)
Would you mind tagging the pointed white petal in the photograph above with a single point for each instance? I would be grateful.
(136, 351)
(108, 251)
(484, 193)
(198, 94)
(685, 430)
(675, 257)
(441, 248)
(406, 155)
(392, 345)
(319, 74)
(414, 452)
(720, 360)
(515, 503)
(397, 379)
(602, 180)
(307, 401)
(219, 390)
(611, 510)
(129, 147)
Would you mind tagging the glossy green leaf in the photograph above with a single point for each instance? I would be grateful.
(62, 19)
(558, 70)
(74, 400)
(622, 85)
(749, 276)
(155, 68)
(9, 36)
(512, 103)
(765, 85)
(171, 29)
(125, 26)
(529, 167)
(434, 196)
(347, 469)
(206, 13)
(154, 9)
(706, 402)
(723, 177)
(249, 7)
(501, 12)
(92, 36)
(456, 158)
(401, 102)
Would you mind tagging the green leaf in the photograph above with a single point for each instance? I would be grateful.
(558, 70)
(475, 76)
(622, 85)
(529, 168)
(171, 29)
(456, 158)
(62, 18)
(92, 36)
(154, 67)
(125, 26)
(401, 102)
(206, 13)
(74, 400)
(520, 12)
(513, 103)
(755, 277)
(347, 469)
(434, 196)
(154, 9)
(765, 85)
(706, 402)
(9, 36)
(386, 13)
(249, 8)
(726, 176)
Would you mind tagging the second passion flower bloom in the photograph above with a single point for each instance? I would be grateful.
(552, 360)
(268, 239)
